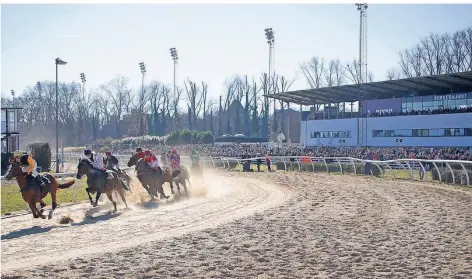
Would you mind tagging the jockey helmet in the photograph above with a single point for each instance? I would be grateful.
(17, 153)
(108, 153)
(148, 152)
(87, 152)
(24, 159)
(174, 150)
(139, 150)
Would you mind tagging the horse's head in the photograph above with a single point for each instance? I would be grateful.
(83, 167)
(133, 160)
(14, 170)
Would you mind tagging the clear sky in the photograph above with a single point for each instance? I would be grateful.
(214, 41)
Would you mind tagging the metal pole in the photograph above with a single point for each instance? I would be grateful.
(175, 66)
(57, 122)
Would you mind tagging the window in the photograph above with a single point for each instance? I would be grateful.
(468, 132)
(421, 133)
(434, 132)
(4, 122)
(11, 121)
(403, 133)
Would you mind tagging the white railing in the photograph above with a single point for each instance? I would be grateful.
(342, 163)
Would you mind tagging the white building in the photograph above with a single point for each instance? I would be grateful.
(333, 116)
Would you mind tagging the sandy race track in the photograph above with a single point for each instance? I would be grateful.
(271, 225)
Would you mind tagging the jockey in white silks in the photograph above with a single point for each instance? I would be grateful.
(97, 162)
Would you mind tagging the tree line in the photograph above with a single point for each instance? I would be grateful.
(115, 110)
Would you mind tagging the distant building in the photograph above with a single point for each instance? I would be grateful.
(10, 131)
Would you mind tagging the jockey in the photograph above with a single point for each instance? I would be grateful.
(96, 162)
(17, 154)
(139, 153)
(111, 162)
(195, 158)
(152, 161)
(175, 160)
(29, 166)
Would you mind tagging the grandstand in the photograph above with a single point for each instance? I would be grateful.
(428, 111)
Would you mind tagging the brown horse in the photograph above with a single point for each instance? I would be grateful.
(97, 182)
(31, 192)
(151, 180)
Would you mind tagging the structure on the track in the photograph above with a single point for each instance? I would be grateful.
(10, 130)
(431, 111)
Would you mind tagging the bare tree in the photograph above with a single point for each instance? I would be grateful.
(313, 71)
(195, 99)
(393, 74)
(117, 90)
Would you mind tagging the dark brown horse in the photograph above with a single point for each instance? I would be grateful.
(98, 182)
(31, 192)
(151, 180)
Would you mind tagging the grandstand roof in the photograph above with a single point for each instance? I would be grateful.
(426, 85)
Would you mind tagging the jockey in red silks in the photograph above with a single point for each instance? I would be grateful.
(139, 153)
(151, 160)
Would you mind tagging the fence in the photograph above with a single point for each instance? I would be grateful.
(450, 171)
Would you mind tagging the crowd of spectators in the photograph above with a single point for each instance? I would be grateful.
(319, 116)
(255, 150)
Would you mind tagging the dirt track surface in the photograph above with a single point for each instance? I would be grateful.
(271, 225)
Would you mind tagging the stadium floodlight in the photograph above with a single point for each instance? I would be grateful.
(58, 62)
(82, 77)
(142, 67)
(12, 93)
(175, 57)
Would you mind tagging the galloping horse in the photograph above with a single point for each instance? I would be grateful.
(98, 183)
(151, 180)
(182, 178)
(31, 192)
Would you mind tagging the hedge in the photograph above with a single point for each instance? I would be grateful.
(185, 136)
(446, 176)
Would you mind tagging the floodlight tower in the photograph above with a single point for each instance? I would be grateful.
(82, 77)
(269, 33)
(175, 57)
(362, 113)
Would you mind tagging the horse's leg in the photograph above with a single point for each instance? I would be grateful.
(53, 192)
(122, 195)
(161, 191)
(96, 198)
(185, 187)
(110, 197)
(90, 196)
(33, 208)
(171, 187)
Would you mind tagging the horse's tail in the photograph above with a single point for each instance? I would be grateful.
(66, 185)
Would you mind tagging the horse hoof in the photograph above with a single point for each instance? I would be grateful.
(43, 217)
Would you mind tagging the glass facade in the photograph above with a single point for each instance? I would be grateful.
(439, 132)
(331, 134)
(451, 101)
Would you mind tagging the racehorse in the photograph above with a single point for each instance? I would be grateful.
(98, 183)
(31, 192)
(122, 175)
(151, 180)
(181, 177)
